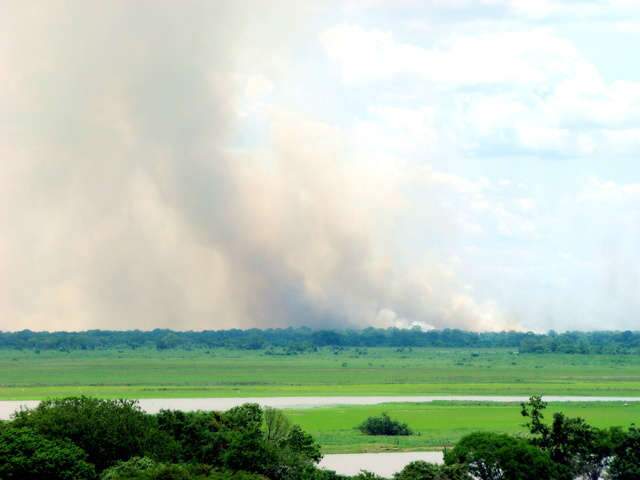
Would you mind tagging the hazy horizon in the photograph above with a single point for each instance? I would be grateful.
(203, 165)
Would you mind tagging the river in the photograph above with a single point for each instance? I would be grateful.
(383, 464)
(154, 405)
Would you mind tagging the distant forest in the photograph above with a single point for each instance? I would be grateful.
(297, 340)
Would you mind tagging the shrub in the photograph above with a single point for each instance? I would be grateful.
(384, 425)
(420, 470)
(136, 467)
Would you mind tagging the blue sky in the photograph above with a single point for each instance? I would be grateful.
(451, 163)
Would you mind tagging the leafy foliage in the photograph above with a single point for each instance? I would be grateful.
(80, 438)
(107, 430)
(147, 469)
(190, 436)
(277, 425)
(625, 464)
(420, 470)
(493, 456)
(27, 455)
(580, 448)
(384, 425)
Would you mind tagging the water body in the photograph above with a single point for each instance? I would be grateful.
(153, 405)
(383, 464)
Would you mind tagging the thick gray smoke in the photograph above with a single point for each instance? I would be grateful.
(122, 205)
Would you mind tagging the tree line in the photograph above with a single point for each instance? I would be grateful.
(83, 438)
(300, 339)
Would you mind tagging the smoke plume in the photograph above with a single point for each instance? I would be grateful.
(124, 203)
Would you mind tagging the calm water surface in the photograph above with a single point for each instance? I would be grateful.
(153, 405)
(383, 464)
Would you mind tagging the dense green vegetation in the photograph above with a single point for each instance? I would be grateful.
(293, 340)
(439, 424)
(82, 438)
(85, 438)
(148, 373)
(383, 424)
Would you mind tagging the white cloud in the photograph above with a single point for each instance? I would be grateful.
(397, 130)
(627, 26)
(598, 190)
(518, 91)
(530, 57)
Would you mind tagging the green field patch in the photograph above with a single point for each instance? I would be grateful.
(147, 373)
(441, 424)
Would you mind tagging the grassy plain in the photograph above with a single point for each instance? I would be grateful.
(374, 371)
(440, 424)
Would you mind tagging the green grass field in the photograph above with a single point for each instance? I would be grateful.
(379, 371)
(441, 423)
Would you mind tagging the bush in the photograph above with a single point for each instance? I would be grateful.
(134, 468)
(384, 425)
(420, 470)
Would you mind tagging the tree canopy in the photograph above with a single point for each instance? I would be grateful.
(299, 339)
(82, 438)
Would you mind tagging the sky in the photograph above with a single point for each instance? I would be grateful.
(333, 164)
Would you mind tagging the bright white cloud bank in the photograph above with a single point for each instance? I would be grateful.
(216, 165)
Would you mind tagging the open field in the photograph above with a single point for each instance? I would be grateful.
(440, 424)
(375, 371)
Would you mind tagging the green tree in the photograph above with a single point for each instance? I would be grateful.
(244, 445)
(571, 442)
(169, 341)
(26, 455)
(302, 444)
(277, 425)
(243, 439)
(147, 469)
(195, 436)
(108, 430)
(493, 456)
(626, 460)
(364, 475)
(226, 475)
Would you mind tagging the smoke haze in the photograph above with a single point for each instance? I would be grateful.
(159, 169)
(122, 205)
